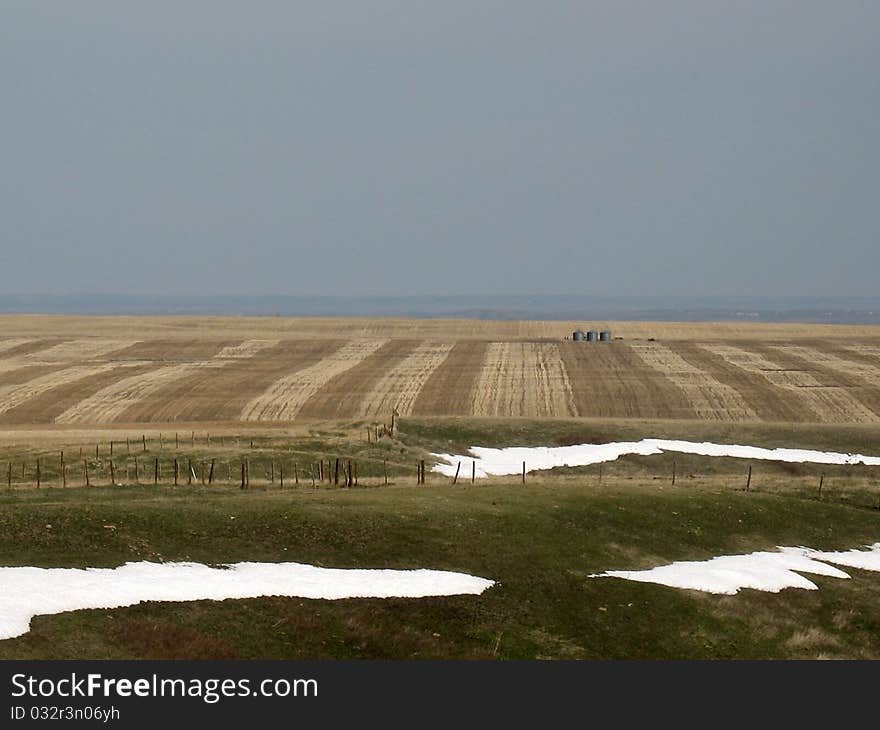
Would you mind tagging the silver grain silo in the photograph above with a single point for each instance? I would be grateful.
(605, 336)
(577, 336)
(592, 336)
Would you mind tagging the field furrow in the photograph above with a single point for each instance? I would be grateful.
(827, 403)
(18, 372)
(12, 396)
(709, 398)
(13, 343)
(29, 347)
(167, 351)
(342, 395)
(858, 380)
(400, 385)
(451, 388)
(108, 404)
(523, 379)
(220, 394)
(609, 381)
(247, 349)
(283, 400)
(46, 406)
(769, 402)
(80, 350)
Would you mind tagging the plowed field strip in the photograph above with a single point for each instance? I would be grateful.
(80, 350)
(609, 380)
(30, 347)
(220, 394)
(14, 343)
(283, 400)
(109, 403)
(247, 349)
(171, 351)
(343, 395)
(451, 389)
(857, 380)
(828, 404)
(12, 396)
(43, 408)
(399, 386)
(709, 398)
(21, 373)
(523, 379)
(769, 402)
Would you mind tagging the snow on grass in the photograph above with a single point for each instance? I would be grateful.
(500, 462)
(26, 592)
(762, 571)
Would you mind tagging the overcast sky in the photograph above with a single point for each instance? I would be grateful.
(658, 147)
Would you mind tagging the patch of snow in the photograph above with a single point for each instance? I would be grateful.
(500, 462)
(762, 571)
(26, 592)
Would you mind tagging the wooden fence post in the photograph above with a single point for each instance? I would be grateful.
(524, 472)
(112, 474)
(336, 474)
(385, 470)
(189, 472)
(176, 471)
(156, 471)
(242, 476)
(821, 482)
(137, 471)
(86, 472)
(457, 468)
(473, 471)
(673, 472)
(39, 475)
(144, 441)
(295, 475)
(9, 475)
(211, 473)
(749, 479)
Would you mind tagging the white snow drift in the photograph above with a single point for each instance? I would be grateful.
(498, 462)
(763, 571)
(27, 592)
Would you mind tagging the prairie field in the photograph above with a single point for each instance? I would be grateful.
(128, 439)
(130, 370)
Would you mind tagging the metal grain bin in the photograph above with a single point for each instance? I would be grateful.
(605, 336)
(592, 335)
(577, 336)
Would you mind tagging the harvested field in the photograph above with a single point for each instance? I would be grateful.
(613, 381)
(707, 397)
(399, 387)
(340, 396)
(276, 369)
(222, 393)
(12, 396)
(451, 388)
(827, 403)
(109, 403)
(523, 379)
(79, 350)
(284, 399)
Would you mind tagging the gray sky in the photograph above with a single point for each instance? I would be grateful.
(658, 147)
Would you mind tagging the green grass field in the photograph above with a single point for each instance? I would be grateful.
(540, 541)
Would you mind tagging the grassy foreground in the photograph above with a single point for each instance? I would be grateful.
(540, 541)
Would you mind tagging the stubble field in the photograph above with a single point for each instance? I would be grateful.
(99, 371)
